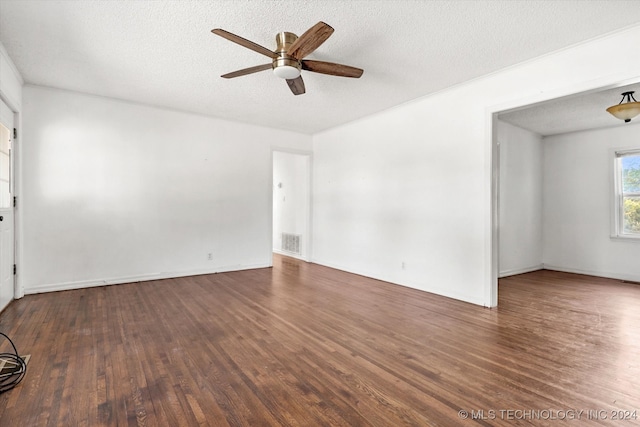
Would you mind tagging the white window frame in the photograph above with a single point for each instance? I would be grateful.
(617, 231)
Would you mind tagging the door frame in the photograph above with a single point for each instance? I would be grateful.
(14, 167)
(492, 154)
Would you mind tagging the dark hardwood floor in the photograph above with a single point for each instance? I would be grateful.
(305, 345)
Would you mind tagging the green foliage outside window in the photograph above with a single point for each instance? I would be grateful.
(632, 215)
(631, 179)
(631, 184)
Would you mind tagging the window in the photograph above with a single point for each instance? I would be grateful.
(627, 190)
(5, 167)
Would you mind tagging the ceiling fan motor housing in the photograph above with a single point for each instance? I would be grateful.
(285, 66)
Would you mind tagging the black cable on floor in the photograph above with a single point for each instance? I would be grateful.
(11, 378)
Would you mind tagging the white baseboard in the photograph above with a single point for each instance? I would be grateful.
(605, 274)
(289, 254)
(515, 271)
(407, 284)
(2, 307)
(65, 286)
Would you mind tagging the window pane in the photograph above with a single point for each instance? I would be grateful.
(5, 171)
(4, 167)
(631, 214)
(5, 197)
(631, 174)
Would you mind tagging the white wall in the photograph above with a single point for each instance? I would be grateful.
(10, 81)
(404, 195)
(291, 199)
(577, 204)
(116, 192)
(520, 200)
(413, 184)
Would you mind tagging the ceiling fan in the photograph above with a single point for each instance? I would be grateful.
(287, 60)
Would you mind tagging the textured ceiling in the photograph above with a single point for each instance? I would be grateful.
(163, 53)
(572, 113)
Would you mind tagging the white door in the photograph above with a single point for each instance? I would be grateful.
(6, 207)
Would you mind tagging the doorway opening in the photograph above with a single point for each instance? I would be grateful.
(550, 177)
(292, 204)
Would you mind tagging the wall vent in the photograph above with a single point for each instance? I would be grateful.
(291, 243)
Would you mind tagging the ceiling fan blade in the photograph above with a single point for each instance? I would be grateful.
(331, 69)
(243, 42)
(246, 71)
(310, 40)
(296, 85)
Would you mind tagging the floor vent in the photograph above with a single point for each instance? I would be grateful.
(291, 243)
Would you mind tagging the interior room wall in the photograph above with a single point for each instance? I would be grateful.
(578, 191)
(118, 192)
(291, 200)
(520, 200)
(405, 195)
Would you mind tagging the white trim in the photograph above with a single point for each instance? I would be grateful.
(605, 274)
(11, 87)
(613, 194)
(54, 287)
(492, 238)
(18, 210)
(516, 271)
(8, 118)
(290, 255)
(14, 69)
(444, 292)
(11, 95)
(616, 194)
(625, 238)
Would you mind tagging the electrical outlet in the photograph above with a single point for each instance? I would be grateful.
(403, 265)
(210, 256)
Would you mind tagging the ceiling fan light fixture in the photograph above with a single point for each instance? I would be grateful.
(285, 66)
(626, 110)
(287, 72)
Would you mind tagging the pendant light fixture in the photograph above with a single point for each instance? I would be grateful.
(626, 110)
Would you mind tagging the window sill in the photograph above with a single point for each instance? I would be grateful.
(626, 238)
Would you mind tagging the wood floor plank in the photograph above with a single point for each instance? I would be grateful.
(305, 345)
